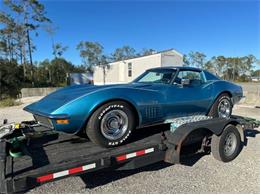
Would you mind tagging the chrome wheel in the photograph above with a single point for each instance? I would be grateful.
(114, 124)
(230, 144)
(224, 108)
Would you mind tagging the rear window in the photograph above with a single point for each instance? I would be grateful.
(211, 77)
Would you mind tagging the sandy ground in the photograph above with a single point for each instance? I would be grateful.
(205, 175)
(16, 113)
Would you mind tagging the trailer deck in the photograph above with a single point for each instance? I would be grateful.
(57, 156)
(44, 154)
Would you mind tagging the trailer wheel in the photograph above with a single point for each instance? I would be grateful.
(226, 146)
(111, 124)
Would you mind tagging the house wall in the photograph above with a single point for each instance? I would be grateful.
(139, 65)
(172, 59)
(112, 75)
(118, 72)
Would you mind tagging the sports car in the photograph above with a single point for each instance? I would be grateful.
(109, 113)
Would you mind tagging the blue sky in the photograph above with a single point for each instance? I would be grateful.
(230, 28)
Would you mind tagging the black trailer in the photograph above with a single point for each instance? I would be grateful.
(51, 156)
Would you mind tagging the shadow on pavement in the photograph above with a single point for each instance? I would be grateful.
(100, 178)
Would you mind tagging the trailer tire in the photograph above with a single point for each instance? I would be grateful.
(111, 124)
(227, 145)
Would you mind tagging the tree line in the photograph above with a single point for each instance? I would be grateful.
(238, 69)
(20, 24)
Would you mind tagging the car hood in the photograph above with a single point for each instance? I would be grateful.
(55, 100)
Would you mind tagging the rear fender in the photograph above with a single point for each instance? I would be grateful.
(221, 87)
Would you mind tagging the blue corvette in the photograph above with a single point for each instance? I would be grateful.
(108, 114)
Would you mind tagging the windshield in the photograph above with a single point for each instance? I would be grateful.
(157, 76)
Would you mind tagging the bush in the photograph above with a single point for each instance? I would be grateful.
(10, 79)
(9, 102)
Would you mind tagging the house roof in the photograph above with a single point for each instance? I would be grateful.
(159, 52)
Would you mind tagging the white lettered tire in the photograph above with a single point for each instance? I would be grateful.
(111, 124)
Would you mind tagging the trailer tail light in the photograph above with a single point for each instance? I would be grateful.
(134, 154)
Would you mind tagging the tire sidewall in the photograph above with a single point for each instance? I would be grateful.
(224, 157)
(216, 105)
(105, 109)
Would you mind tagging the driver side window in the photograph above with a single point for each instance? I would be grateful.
(195, 77)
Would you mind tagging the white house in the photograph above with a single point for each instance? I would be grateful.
(255, 79)
(127, 70)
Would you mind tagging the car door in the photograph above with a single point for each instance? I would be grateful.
(185, 99)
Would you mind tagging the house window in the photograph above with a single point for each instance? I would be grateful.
(130, 69)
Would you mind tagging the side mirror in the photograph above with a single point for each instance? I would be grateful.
(185, 82)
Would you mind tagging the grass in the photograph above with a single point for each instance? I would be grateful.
(9, 102)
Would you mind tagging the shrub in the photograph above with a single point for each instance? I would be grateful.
(9, 102)
(10, 79)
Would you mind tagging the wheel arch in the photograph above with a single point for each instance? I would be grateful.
(227, 92)
(136, 112)
(216, 97)
(239, 128)
(221, 93)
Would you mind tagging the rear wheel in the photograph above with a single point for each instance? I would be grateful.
(111, 124)
(226, 146)
(222, 107)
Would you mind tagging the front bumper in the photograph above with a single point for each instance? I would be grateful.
(49, 121)
(44, 121)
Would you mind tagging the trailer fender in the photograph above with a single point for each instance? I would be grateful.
(175, 139)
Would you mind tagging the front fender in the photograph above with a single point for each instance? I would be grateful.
(82, 108)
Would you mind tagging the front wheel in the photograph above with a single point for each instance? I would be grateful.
(111, 124)
(226, 146)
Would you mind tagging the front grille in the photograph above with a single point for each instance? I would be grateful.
(44, 121)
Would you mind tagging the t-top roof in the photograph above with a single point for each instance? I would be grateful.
(177, 67)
